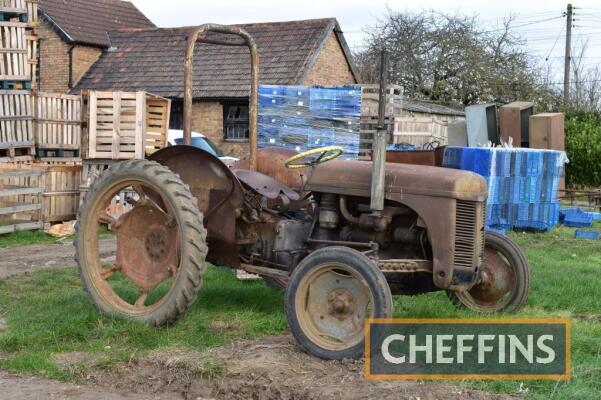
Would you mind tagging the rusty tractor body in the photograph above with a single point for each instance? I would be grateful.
(308, 227)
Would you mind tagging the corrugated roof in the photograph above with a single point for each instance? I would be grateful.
(153, 60)
(426, 107)
(88, 21)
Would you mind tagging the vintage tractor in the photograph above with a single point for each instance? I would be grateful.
(340, 236)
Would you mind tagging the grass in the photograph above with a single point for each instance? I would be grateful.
(48, 312)
(22, 238)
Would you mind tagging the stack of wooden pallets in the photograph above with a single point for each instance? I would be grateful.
(18, 53)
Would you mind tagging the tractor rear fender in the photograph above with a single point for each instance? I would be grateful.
(219, 194)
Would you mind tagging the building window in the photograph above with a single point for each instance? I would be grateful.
(235, 121)
(177, 115)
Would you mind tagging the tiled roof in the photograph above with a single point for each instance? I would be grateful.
(88, 21)
(153, 60)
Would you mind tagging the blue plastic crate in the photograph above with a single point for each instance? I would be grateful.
(576, 218)
(591, 235)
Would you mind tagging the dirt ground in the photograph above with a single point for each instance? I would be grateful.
(273, 368)
(26, 259)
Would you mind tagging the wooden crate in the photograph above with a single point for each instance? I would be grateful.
(13, 52)
(57, 126)
(13, 7)
(16, 126)
(61, 192)
(33, 19)
(32, 58)
(420, 131)
(124, 125)
(20, 199)
(370, 98)
(369, 126)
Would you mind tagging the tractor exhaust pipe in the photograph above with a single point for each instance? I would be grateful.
(378, 176)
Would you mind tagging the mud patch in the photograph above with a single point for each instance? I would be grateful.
(270, 369)
(3, 324)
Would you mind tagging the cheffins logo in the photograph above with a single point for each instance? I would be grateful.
(467, 349)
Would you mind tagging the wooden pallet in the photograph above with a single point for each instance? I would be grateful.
(16, 126)
(57, 125)
(20, 199)
(33, 19)
(18, 152)
(13, 10)
(370, 97)
(124, 125)
(61, 192)
(13, 55)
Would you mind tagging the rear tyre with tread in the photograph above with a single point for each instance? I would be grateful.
(177, 198)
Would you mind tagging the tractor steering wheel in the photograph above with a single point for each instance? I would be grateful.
(323, 156)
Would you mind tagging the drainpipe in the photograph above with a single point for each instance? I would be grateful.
(70, 77)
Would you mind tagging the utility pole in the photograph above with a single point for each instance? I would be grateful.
(568, 57)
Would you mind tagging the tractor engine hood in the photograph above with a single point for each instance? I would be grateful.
(353, 178)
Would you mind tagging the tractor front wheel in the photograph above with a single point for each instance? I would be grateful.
(328, 298)
(158, 232)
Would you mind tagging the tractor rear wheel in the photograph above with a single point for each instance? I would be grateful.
(160, 243)
(504, 279)
(329, 296)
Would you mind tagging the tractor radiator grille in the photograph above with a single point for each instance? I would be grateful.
(469, 233)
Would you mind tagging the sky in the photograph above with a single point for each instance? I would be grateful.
(541, 22)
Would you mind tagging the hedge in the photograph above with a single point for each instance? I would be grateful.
(583, 146)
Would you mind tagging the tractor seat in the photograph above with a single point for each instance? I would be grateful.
(265, 185)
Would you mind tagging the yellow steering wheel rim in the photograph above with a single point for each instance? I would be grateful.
(335, 150)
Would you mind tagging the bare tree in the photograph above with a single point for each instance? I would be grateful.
(448, 58)
(585, 87)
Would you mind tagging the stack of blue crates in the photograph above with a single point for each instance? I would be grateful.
(522, 184)
(302, 118)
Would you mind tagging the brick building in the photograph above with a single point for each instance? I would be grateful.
(73, 36)
(309, 52)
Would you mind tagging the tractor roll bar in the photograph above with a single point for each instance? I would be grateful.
(194, 37)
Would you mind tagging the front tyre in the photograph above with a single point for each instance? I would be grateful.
(504, 279)
(329, 296)
(160, 243)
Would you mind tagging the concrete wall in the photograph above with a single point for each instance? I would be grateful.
(54, 61)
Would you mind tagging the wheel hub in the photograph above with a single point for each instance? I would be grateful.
(341, 304)
(496, 279)
(156, 244)
(147, 247)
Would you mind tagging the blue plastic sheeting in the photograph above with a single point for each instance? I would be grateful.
(591, 235)
(302, 118)
(522, 184)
